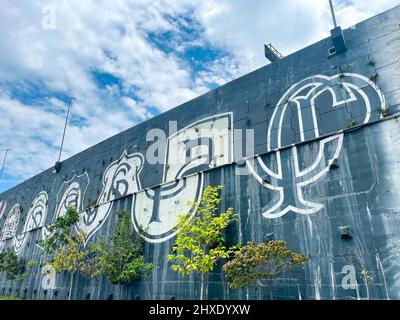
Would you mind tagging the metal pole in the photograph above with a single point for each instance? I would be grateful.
(4, 163)
(65, 127)
(333, 13)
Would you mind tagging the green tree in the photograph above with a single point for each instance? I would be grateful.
(72, 258)
(255, 263)
(67, 247)
(120, 259)
(199, 243)
(31, 264)
(91, 269)
(12, 265)
(61, 231)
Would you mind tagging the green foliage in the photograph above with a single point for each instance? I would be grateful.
(68, 247)
(366, 276)
(264, 261)
(120, 259)
(200, 243)
(71, 257)
(12, 265)
(61, 231)
(9, 298)
(135, 270)
(384, 112)
(90, 268)
(350, 124)
(31, 263)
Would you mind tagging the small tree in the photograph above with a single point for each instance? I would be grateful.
(91, 269)
(12, 265)
(199, 243)
(120, 259)
(31, 264)
(61, 231)
(67, 246)
(355, 257)
(254, 263)
(72, 258)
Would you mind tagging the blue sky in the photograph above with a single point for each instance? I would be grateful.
(127, 61)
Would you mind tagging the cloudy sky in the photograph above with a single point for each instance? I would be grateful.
(128, 60)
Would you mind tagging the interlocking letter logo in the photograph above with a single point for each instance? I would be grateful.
(202, 145)
(314, 107)
(120, 179)
(11, 224)
(71, 193)
(35, 220)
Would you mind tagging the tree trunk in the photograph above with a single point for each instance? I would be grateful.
(366, 287)
(96, 284)
(70, 286)
(119, 291)
(202, 283)
(270, 292)
(93, 292)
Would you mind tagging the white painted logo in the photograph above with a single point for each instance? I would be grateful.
(71, 193)
(12, 221)
(202, 145)
(36, 218)
(120, 179)
(340, 99)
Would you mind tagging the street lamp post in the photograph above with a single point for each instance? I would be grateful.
(57, 166)
(333, 14)
(4, 163)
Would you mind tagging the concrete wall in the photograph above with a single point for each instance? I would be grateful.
(325, 161)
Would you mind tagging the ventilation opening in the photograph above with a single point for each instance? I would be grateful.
(334, 165)
(345, 233)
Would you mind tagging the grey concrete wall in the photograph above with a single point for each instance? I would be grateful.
(325, 157)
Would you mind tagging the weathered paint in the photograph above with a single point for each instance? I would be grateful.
(325, 159)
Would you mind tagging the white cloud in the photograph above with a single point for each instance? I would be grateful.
(242, 27)
(348, 14)
(107, 37)
(38, 66)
